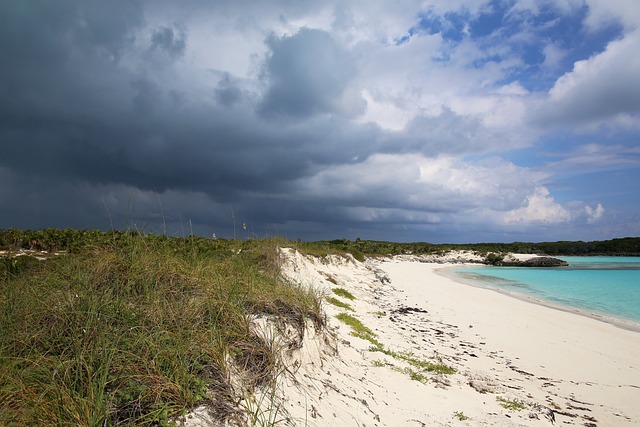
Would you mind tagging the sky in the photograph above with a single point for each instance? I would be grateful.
(454, 121)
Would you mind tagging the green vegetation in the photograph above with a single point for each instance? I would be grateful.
(358, 329)
(413, 375)
(410, 358)
(257, 414)
(493, 258)
(72, 240)
(362, 248)
(128, 329)
(131, 329)
(338, 303)
(343, 293)
(460, 416)
(511, 404)
(629, 246)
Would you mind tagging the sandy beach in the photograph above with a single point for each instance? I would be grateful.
(516, 362)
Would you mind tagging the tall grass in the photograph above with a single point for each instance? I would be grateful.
(135, 330)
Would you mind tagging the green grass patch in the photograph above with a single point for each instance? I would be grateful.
(511, 404)
(336, 247)
(341, 292)
(410, 358)
(358, 329)
(413, 375)
(338, 303)
(460, 416)
(130, 329)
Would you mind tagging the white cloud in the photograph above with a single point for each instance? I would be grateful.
(595, 157)
(553, 55)
(383, 113)
(415, 182)
(513, 88)
(602, 13)
(540, 207)
(404, 85)
(601, 89)
(594, 214)
(419, 190)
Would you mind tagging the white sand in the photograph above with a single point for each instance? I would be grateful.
(578, 370)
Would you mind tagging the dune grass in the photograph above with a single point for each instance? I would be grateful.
(511, 404)
(425, 365)
(338, 303)
(137, 329)
(343, 293)
(359, 330)
(460, 416)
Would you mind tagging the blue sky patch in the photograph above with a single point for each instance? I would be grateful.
(519, 34)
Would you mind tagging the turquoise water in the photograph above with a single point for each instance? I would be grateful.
(608, 286)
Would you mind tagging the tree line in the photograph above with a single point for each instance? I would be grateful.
(53, 239)
(627, 246)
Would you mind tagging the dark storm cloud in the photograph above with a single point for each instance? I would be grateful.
(171, 40)
(227, 92)
(108, 25)
(40, 30)
(307, 72)
(85, 133)
(60, 61)
(80, 115)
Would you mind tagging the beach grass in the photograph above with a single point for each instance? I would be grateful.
(413, 375)
(426, 365)
(338, 303)
(132, 329)
(460, 416)
(341, 292)
(511, 404)
(359, 330)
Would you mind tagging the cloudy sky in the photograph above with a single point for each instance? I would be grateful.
(437, 120)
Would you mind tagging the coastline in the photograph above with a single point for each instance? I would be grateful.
(560, 367)
(620, 322)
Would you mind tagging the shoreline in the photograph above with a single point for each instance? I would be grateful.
(553, 367)
(620, 322)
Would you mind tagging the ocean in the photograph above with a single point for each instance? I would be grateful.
(602, 286)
